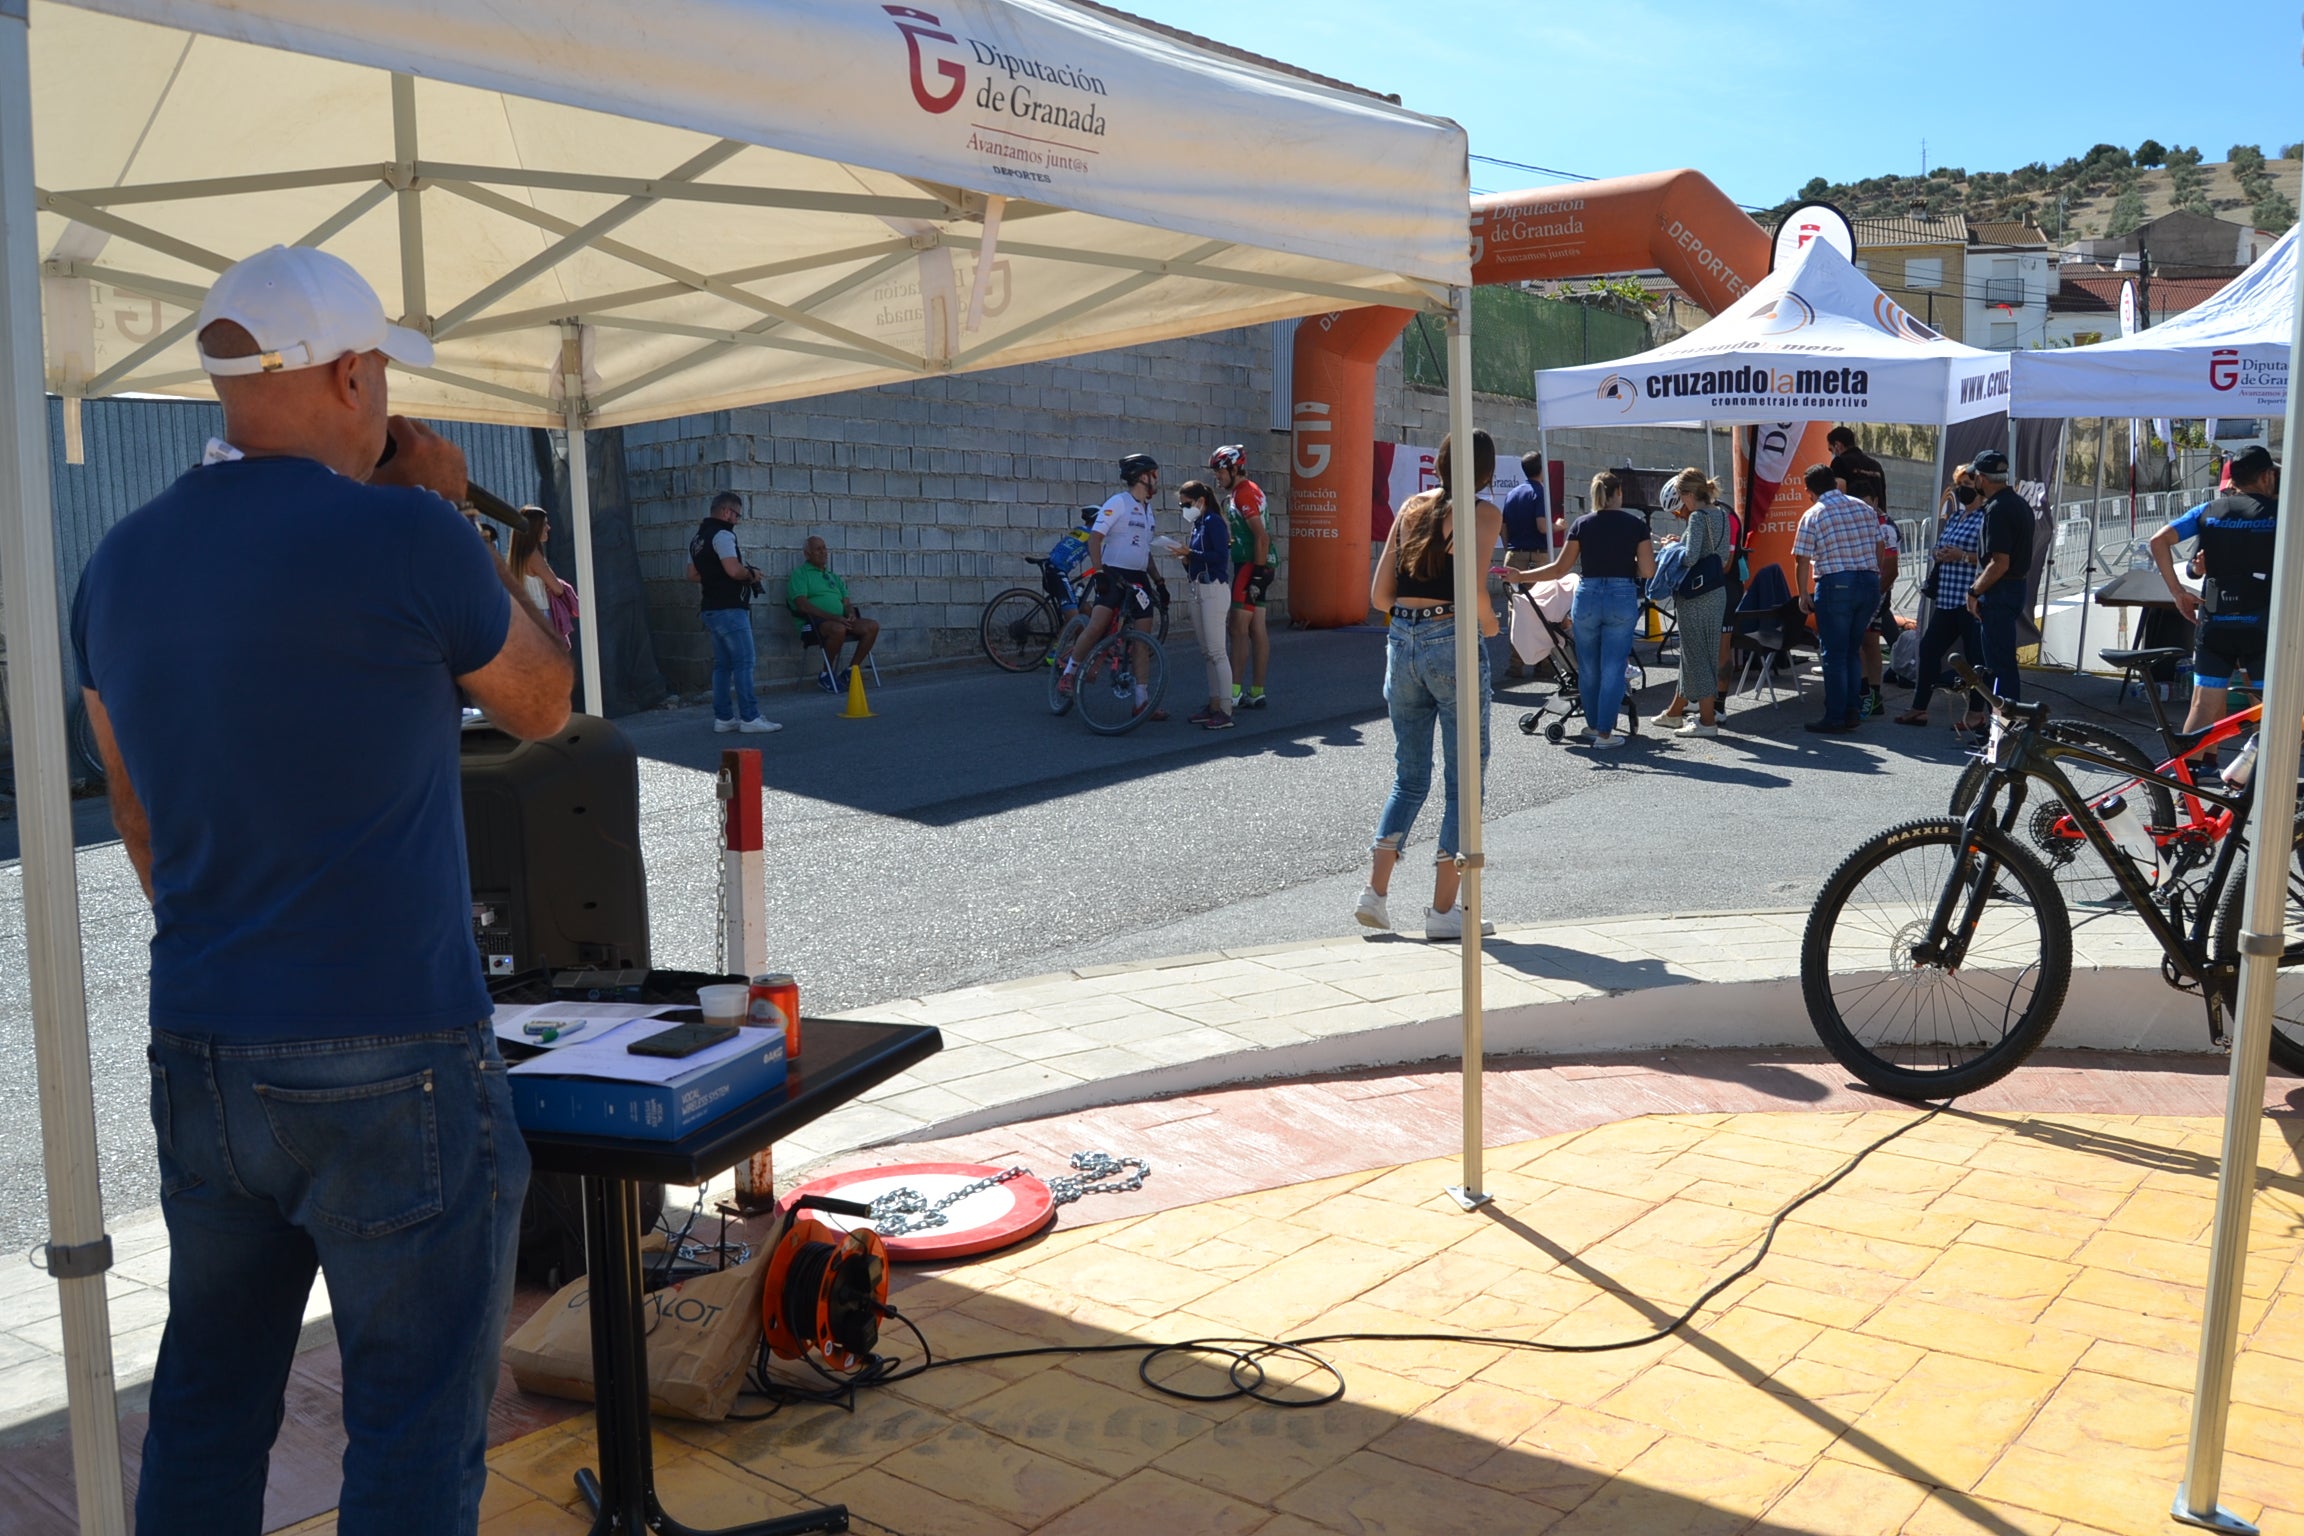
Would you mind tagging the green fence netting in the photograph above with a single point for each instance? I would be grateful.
(1514, 334)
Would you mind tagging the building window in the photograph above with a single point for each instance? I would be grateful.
(1924, 272)
(2004, 335)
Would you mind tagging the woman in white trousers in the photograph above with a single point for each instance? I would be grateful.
(1208, 578)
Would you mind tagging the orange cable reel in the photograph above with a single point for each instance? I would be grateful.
(826, 1290)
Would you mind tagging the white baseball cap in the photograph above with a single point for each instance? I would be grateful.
(304, 307)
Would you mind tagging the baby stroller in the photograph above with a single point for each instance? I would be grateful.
(1566, 705)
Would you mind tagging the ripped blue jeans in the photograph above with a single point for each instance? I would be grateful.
(1420, 693)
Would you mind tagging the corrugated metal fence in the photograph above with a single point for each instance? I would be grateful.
(136, 448)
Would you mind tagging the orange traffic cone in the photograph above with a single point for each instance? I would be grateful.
(856, 710)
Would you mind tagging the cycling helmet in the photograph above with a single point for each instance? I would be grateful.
(1089, 515)
(1231, 456)
(1136, 464)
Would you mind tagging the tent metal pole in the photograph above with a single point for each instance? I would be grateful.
(1471, 723)
(580, 515)
(2260, 951)
(1544, 452)
(78, 1249)
(2088, 561)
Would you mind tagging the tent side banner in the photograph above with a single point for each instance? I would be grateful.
(1025, 99)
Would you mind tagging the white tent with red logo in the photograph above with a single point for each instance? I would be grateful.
(1814, 338)
(2227, 356)
(606, 212)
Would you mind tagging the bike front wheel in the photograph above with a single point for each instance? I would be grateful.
(1059, 700)
(2288, 989)
(1017, 630)
(1903, 1021)
(2048, 827)
(1121, 682)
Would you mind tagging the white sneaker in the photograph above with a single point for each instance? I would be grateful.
(1441, 927)
(1602, 742)
(759, 727)
(723, 725)
(1699, 728)
(1372, 912)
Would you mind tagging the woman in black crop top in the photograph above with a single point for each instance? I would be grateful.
(1611, 553)
(1415, 584)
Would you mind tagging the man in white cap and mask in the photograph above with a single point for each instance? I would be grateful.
(272, 651)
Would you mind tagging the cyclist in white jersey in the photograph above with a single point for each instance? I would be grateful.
(1120, 550)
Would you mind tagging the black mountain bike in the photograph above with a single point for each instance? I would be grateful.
(1937, 955)
(1019, 627)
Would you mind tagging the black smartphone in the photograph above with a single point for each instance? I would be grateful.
(682, 1040)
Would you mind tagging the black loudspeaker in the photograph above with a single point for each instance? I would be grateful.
(552, 838)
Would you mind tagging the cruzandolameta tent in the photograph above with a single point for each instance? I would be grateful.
(1813, 339)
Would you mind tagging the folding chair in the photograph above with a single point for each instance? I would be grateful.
(824, 678)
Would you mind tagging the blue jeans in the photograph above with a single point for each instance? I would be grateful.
(1603, 610)
(392, 1164)
(1845, 603)
(1998, 610)
(1420, 692)
(733, 658)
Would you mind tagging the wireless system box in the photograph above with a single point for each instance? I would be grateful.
(550, 1092)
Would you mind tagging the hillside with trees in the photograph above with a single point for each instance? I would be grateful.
(2108, 191)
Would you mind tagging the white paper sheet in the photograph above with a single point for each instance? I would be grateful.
(604, 1055)
(511, 1020)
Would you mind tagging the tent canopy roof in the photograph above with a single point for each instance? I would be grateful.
(1813, 339)
(736, 200)
(2226, 356)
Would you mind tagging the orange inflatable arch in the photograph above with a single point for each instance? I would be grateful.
(1674, 220)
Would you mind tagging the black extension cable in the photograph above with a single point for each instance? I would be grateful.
(1247, 1369)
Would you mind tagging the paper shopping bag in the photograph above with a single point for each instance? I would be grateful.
(702, 1336)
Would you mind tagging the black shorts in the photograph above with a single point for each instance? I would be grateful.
(1128, 593)
(2224, 649)
(1249, 584)
(1884, 621)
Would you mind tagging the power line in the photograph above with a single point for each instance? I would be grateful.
(1541, 170)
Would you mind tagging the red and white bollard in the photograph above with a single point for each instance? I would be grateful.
(743, 871)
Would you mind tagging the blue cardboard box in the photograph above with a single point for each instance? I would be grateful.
(553, 1093)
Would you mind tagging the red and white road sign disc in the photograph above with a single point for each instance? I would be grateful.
(993, 1218)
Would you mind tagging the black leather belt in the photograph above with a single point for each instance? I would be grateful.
(1438, 611)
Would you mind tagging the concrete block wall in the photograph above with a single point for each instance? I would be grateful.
(931, 493)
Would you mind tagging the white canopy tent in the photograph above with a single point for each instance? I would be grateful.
(605, 213)
(1813, 338)
(2225, 357)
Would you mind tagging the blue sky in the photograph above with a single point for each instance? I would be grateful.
(1763, 94)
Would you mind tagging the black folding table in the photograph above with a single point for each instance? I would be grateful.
(840, 1059)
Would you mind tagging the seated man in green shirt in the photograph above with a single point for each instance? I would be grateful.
(819, 599)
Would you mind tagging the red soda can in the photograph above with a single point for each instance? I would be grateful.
(776, 1005)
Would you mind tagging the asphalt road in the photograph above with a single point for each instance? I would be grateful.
(965, 836)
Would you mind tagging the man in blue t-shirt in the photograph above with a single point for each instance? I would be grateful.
(1529, 537)
(2233, 609)
(271, 652)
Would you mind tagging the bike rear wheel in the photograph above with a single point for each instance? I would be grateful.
(1017, 630)
(1066, 638)
(2288, 990)
(1109, 679)
(2047, 826)
(1910, 1027)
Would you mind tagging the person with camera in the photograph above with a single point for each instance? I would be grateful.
(718, 566)
(326, 1091)
(2234, 607)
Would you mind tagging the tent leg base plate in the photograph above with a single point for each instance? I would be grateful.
(1470, 1199)
(2221, 1520)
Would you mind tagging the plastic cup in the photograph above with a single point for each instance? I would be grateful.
(725, 1004)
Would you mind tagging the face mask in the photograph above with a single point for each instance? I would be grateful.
(1968, 495)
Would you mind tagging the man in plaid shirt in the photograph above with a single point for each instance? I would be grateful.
(1836, 558)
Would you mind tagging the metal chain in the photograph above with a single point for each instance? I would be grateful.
(905, 1211)
(725, 792)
